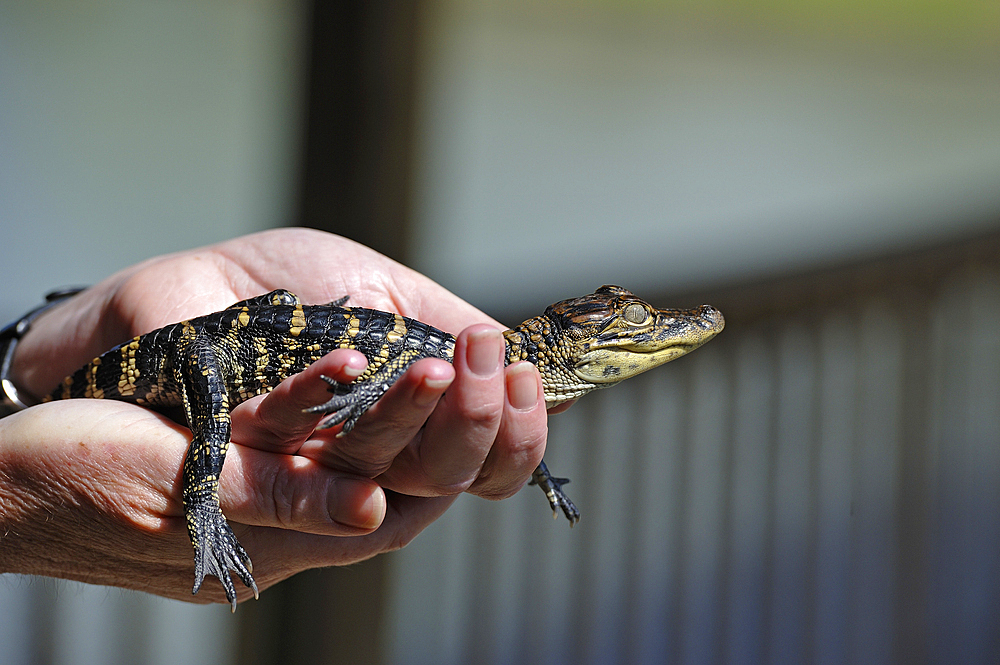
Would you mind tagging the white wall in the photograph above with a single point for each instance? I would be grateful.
(130, 129)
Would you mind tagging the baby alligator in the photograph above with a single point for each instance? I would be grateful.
(209, 364)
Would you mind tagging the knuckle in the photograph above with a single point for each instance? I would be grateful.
(481, 414)
(450, 488)
(399, 541)
(283, 500)
(359, 456)
(400, 538)
(296, 503)
(499, 492)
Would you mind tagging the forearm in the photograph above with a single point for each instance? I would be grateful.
(55, 512)
(58, 341)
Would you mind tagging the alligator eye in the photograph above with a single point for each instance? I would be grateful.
(636, 313)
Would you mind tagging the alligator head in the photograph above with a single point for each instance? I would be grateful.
(608, 336)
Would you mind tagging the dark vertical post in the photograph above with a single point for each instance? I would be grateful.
(358, 143)
(355, 180)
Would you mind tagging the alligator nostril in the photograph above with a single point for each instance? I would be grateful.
(713, 316)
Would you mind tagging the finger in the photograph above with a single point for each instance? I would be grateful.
(520, 443)
(387, 428)
(448, 456)
(277, 421)
(261, 488)
(145, 481)
(279, 553)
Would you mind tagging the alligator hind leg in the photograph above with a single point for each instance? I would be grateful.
(339, 302)
(216, 549)
(206, 403)
(280, 297)
(553, 492)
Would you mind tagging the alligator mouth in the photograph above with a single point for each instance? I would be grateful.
(617, 363)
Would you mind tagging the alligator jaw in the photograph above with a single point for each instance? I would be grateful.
(611, 365)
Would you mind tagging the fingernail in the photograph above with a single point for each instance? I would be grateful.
(355, 368)
(483, 352)
(358, 503)
(430, 391)
(522, 387)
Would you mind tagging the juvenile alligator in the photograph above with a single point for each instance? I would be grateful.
(209, 364)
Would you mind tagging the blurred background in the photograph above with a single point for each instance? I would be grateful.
(820, 484)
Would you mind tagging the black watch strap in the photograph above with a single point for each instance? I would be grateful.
(10, 399)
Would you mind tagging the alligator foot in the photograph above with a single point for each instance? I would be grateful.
(216, 550)
(350, 401)
(346, 405)
(553, 492)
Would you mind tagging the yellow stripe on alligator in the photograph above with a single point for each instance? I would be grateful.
(67, 386)
(298, 321)
(92, 390)
(353, 325)
(398, 330)
(129, 371)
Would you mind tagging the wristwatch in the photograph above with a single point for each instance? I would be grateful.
(10, 399)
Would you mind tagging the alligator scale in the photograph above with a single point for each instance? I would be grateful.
(209, 364)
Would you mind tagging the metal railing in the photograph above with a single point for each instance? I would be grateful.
(819, 484)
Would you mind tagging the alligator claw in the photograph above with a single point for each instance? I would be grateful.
(553, 492)
(217, 551)
(346, 406)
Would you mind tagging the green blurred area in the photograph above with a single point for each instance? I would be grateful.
(965, 26)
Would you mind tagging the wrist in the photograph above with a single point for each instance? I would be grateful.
(14, 395)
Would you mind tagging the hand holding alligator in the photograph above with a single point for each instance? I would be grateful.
(91, 490)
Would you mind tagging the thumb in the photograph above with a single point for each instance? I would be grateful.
(262, 488)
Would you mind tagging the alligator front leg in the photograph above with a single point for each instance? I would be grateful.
(350, 401)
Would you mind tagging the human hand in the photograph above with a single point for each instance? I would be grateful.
(490, 445)
(484, 436)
